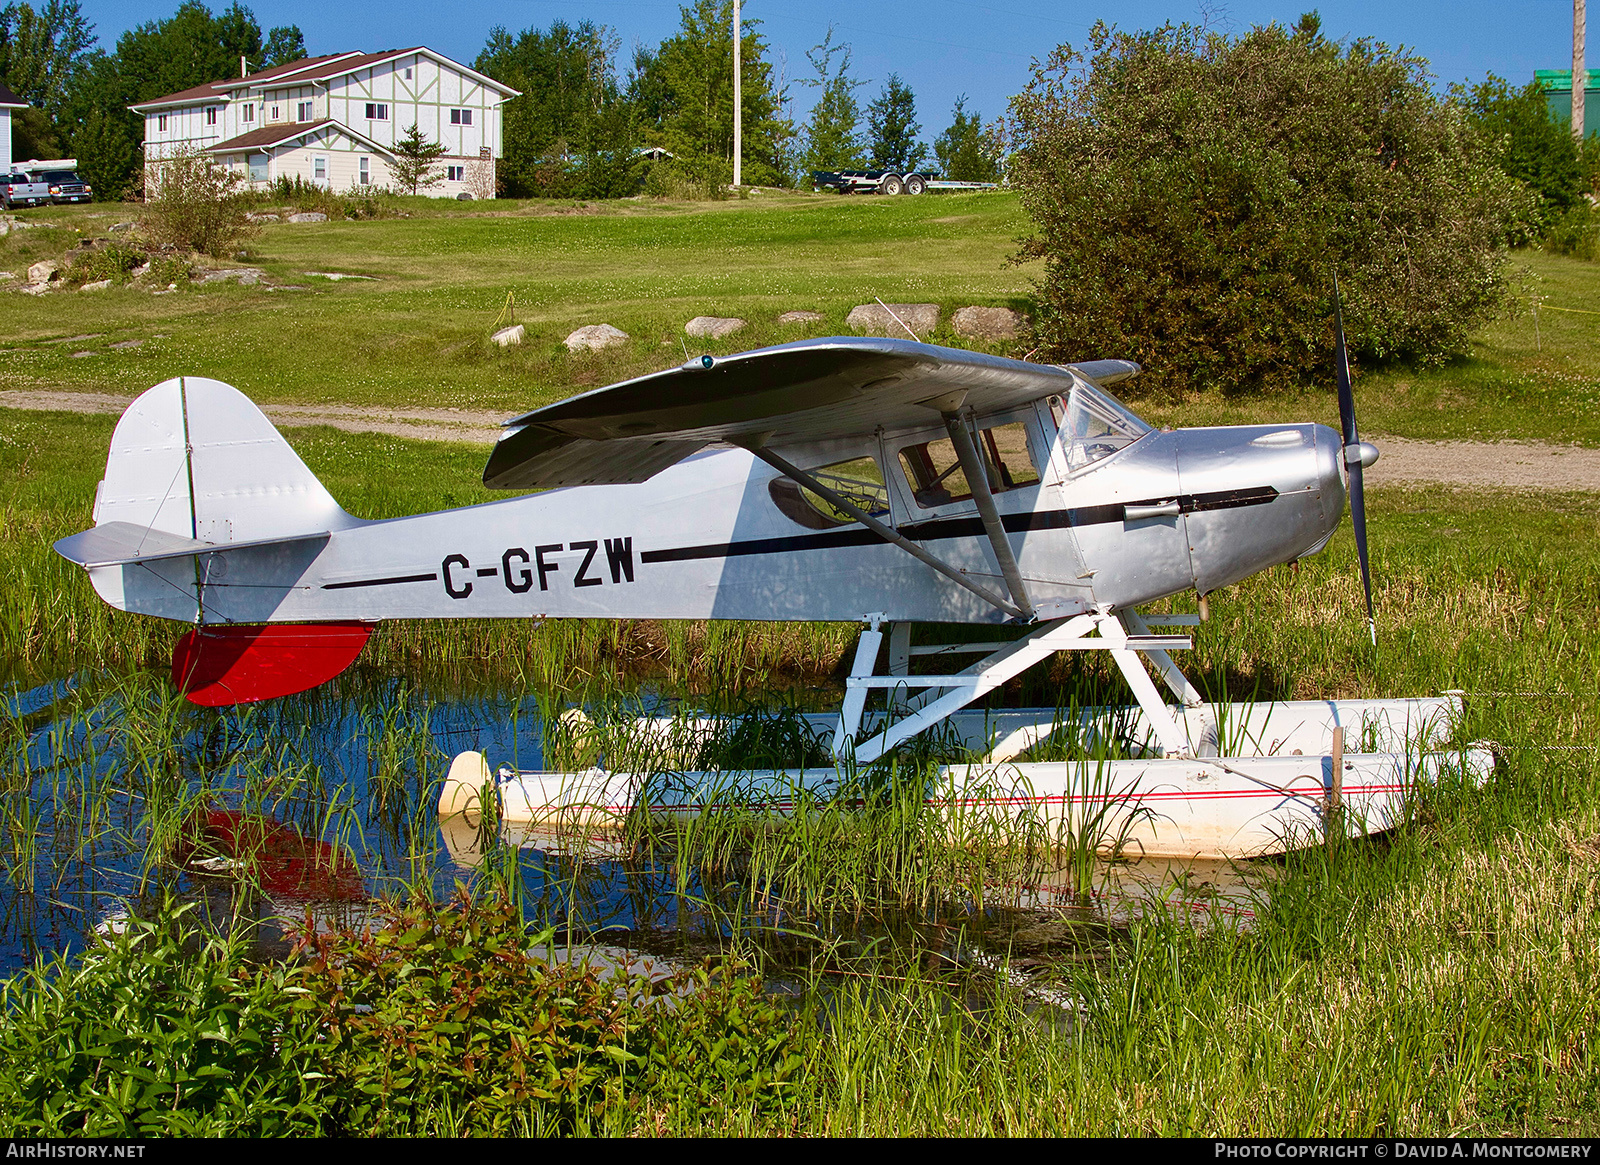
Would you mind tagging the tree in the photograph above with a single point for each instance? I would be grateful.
(1530, 145)
(1193, 195)
(40, 49)
(965, 153)
(571, 117)
(414, 159)
(892, 129)
(284, 44)
(831, 139)
(683, 93)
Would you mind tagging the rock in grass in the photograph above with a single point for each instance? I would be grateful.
(874, 319)
(128, 226)
(800, 317)
(506, 337)
(308, 216)
(987, 323)
(97, 285)
(712, 327)
(595, 337)
(43, 271)
(254, 218)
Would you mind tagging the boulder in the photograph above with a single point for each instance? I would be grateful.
(122, 226)
(258, 218)
(506, 337)
(800, 317)
(712, 327)
(595, 337)
(124, 345)
(308, 216)
(98, 285)
(249, 276)
(988, 323)
(873, 320)
(44, 271)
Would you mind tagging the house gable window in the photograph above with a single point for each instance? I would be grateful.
(408, 73)
(377, 111)
(275, 114)
(211, 115)
(303, 113)
(461, 117)
(161, 123)
(247, 113)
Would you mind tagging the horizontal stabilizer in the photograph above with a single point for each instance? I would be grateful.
(807, 391)
(120, 543)
(231, 663)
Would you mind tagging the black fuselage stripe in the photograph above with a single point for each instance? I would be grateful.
(942, 528)
(381, 582)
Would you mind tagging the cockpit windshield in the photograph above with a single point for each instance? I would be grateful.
(1093, 424)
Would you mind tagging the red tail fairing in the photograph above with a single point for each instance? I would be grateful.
(224, 664)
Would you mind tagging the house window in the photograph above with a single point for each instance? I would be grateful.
(461, 117)
(258, 167)
(319, 169)
(364, 177)
(454, 173)
(211, 116)
(408, 74)
(161, 123)
(247, 113)
(377, 111)
(304, 112)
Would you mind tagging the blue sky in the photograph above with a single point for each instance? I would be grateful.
(942, 48)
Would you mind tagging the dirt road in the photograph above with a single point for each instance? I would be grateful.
(1497, 464)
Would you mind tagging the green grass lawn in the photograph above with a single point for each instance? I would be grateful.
(417, 334)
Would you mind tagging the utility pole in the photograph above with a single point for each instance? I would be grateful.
(738, 109)
(1580, 71)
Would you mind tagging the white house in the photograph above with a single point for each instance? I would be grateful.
(8, 102)
(334, 120)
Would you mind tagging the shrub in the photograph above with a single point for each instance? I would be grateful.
(193, 204)
(1530, 145)
(1575, 233)
(149, 1036)
(442, 1019)
(1193, 195)
(115, 261)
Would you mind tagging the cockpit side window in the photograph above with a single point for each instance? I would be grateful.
(860, 481)
(935, 475)
(1093, 425)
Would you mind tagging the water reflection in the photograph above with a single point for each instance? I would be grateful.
(305, 810)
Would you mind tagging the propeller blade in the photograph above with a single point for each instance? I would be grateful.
(1352, 442)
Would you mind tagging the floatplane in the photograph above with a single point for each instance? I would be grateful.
(884, 481)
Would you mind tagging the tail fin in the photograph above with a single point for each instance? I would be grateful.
(195, 458)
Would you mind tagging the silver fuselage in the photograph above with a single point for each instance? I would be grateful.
(1172, 511)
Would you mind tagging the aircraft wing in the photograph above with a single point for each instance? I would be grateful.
(811, 390)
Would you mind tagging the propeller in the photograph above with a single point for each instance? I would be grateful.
(1357, 454)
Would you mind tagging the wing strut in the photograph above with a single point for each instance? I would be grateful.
(978, 481)
(887, 533)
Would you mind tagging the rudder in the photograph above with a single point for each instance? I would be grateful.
(196, 458)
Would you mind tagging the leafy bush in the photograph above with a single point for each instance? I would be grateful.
(1530, 145)
(444, 1019)
(116, 261)
(147, 1036)
(1575, 233)
(1193, 195)
(193, 204)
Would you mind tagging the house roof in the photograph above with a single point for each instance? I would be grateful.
(311, 69)
(276, 135)
(218, 90)
(9, 100)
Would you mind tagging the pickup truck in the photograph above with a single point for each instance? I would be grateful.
(64, 185)
(22, 190)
